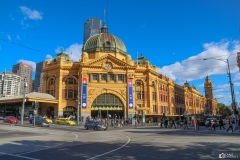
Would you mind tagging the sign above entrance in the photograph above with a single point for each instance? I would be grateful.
(130, 96)
(84, 93)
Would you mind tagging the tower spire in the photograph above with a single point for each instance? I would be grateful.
(104, 28)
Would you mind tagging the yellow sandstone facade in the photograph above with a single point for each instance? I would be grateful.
(110, 77)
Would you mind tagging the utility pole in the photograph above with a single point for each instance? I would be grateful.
(24, 99)
(78, 103)
(232, 93)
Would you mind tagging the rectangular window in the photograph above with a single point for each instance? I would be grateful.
(154, 108)
(103, 77)
(153, 96)
(111, 76)
(120, 78)
(142, 94)
(94, 76)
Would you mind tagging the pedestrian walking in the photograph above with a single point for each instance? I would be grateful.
(165, 123)
(230, 125)
(197, 124)
(173, 123)
(181, 123)
(161, 124)
(186, 124)
(178, 123)
(221, 125)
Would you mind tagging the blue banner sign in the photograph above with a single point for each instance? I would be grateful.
(130, 94)
(84, 93)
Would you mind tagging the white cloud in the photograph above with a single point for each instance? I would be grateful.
(49, 57)
(9, 37)
(18, 37)
(195, 67)
(74, 51)
(224, 86)
(30, 14)
(31, 63)
(236, 76)
(201, 85)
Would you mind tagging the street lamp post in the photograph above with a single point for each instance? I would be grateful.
(24, 99)
(231, 87)
(78, 105)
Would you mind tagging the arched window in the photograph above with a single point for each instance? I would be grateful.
(75, 93)
(51, 81)
(138, 95)
(70, 94)
(70, 81)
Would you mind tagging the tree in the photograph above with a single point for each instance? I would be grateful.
(224, 111)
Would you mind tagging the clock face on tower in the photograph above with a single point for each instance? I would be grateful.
(108, 66)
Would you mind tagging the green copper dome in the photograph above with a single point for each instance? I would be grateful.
(141, 60)
(62, 55)
(105, 42)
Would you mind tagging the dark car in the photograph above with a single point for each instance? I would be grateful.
(10, 119)
(207, 122)
(32, 119)
(95, 125)
(41, 122)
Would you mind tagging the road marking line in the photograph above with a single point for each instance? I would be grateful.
(18, 156)
(40, 149)
(111, 150)
(75, 135)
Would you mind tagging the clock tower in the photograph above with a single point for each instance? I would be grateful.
(208, 88)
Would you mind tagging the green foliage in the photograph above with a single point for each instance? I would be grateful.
(224, 111)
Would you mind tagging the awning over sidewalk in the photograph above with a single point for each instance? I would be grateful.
(30, 97)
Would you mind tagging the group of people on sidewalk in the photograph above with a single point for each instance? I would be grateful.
(165, 123)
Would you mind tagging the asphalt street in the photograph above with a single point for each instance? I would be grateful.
(65, 142)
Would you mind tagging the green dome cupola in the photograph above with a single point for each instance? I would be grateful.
(62, 55)
(105, 42)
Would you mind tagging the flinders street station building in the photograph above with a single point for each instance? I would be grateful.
(107, 81)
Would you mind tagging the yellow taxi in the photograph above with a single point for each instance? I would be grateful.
(65, 121)
(47, 119)
(58, 120)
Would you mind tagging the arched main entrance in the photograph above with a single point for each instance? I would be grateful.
(69, 110)
(107, 104)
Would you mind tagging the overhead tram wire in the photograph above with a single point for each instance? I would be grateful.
(201, 69)
(155, 65)
(24, 46)
(196, 59)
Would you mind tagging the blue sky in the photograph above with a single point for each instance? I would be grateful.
(173, 35)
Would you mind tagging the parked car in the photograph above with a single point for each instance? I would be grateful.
(65, 121)
(207, 122)
(57, 120)
(95, 125)
(41, 122)
(32, 119)
(1, 117)
(10, 119)
(47, 119)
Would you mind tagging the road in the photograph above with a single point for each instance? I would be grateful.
(61, 143)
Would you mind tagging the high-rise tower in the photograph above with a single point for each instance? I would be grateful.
(38, 82)
(24, 70)
(92, 26)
